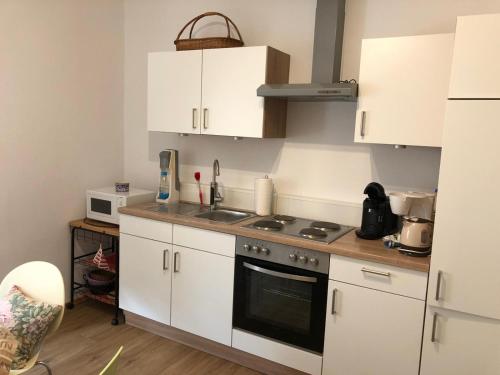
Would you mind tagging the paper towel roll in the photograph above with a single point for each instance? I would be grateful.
(263, 196)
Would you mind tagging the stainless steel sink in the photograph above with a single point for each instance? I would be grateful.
(224, 216)
(202, 212)
(180, 208)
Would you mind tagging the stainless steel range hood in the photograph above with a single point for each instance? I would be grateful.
(327, 56)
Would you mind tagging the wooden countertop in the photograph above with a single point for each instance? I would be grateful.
(95, 227)
(348, 245)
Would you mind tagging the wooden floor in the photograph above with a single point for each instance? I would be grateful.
(86, 341)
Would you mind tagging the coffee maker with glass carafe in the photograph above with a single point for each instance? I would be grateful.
(417, 214)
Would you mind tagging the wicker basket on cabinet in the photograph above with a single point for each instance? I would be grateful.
(210, 42)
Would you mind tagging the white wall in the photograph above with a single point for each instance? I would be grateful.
(318, 158)
(61, 85)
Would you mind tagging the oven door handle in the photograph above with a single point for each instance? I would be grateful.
(282, 275)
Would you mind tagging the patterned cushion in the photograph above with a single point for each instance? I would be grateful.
(28, 320)
(8, 346)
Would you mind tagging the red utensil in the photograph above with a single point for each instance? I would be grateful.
(197, 177)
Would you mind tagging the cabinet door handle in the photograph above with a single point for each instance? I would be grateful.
(176, 261)
(195, 125)
(362, 128)
(205, 118)
(334, 296)
(165, 260)
(434, 328)
(380, 273)
(438, 285)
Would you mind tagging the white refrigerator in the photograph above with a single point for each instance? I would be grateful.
(462, 324)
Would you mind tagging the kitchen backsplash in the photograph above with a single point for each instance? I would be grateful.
(319, 209)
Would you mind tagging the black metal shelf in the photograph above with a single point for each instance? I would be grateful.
(111, 298)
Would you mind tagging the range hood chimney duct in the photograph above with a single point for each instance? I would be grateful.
(328, 38)
(327, 59)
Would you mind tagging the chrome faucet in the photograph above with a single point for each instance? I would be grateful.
(215, 195)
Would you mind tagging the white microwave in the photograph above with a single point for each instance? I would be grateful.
(103, 203)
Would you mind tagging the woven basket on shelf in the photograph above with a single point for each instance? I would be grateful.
(206, 43)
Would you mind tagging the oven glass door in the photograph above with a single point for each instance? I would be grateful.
(281, 302)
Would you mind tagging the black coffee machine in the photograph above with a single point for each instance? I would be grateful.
(378, 219)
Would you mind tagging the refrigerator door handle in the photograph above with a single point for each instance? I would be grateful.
(438, 285)
(434, 328)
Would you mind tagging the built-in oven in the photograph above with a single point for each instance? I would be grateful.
(280, 292)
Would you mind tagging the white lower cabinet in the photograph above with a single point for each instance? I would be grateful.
(202, 293)
(145, 277)
(371, 332)
(456, 343)
(187, 288)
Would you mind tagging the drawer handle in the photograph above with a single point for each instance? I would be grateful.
(176, 266)
(438, 285)
(165, 260)
(334, 295)
(380, 273)
(434, 328)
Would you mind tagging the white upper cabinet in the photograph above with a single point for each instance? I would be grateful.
(174, 91)
(476, 58)
(466, 256)
(230, 77)
(214, 92)
(403, 87)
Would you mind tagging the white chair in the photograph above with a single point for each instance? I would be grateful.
(112, 366)
(41, 281)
